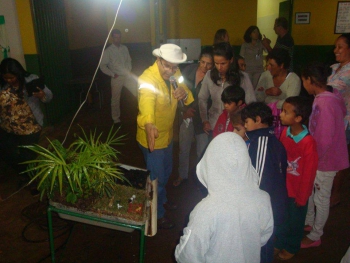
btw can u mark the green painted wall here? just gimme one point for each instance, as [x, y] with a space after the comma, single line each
[304, 54]
[32, 63]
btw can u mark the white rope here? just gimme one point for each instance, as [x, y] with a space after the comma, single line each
[93, 78]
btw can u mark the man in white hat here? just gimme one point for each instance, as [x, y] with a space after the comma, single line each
[158, 101]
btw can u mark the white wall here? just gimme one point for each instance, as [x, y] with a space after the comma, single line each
[8, 10]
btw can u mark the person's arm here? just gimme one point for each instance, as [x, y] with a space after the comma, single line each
[291, 87]
[308, 173]
[194, 243]
[261, 87]
[266, 43]
[152, 135]
[45, 95]
[203, 97]
[248, 88]
[266, 222]
[146, 118]
[273, 91]
[104, 64]
[325, 129]
[183, 92]
[128, 60]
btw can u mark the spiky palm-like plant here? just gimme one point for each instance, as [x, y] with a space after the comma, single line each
[87, 166]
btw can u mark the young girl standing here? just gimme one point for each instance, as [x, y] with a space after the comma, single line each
[326, 125]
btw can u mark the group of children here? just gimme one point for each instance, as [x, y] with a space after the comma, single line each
[296, 170]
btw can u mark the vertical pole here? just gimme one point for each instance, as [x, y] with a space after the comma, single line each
[52, 245]
[142, 244]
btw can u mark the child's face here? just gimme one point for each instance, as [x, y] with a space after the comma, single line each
[287, 115]
[241, 64]
[251, 125]
[232, 107]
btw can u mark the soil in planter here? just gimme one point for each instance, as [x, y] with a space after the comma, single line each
[127, 202]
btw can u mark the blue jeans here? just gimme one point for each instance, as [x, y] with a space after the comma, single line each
[160, 164]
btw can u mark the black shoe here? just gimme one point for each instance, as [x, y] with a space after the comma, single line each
[170, 206]
[165, 223]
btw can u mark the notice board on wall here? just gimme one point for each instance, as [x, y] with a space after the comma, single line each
[342, 22]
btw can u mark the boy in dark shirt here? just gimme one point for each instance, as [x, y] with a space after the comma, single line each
[269, 159]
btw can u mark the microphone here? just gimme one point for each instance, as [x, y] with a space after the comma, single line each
[173, 82]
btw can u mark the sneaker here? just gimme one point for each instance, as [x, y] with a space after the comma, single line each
[285, 255]
[165, 223]
[313, 244]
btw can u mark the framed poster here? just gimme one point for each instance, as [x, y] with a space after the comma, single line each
[302, 18]
[342, 21]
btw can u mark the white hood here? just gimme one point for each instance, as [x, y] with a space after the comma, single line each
[231, 168]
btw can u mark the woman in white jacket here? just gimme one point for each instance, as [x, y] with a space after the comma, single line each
[235, 219]
[225, 73]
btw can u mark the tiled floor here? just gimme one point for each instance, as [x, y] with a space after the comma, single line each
[24, 235]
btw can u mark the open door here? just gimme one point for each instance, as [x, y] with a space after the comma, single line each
[286, 10]
[268, 11]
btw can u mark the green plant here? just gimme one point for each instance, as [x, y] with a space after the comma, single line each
[86, 167]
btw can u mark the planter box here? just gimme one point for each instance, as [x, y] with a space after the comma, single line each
[147, 218]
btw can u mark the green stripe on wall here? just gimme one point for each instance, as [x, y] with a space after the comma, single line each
[306, 54]
[32, 63]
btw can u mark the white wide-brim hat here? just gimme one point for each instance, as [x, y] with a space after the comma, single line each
[171, 53]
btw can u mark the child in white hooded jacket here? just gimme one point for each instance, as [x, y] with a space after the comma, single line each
[235, 219]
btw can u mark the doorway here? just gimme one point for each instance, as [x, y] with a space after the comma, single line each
[268, 11]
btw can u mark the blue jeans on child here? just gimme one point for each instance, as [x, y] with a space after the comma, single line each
[160, 164]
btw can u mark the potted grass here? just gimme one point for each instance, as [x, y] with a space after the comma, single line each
[85, 177]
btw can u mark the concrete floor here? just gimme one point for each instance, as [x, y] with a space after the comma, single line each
[23, 228]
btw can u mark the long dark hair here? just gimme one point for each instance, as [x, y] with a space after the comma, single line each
[281, 56]
[206, 52]
[248, 32]
[220, 35]
[318, 73]
[12, 66]
[233, 76]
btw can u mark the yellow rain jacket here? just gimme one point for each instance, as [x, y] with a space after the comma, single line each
[157, 106]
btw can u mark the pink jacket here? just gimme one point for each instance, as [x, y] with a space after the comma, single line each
[327, 127]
